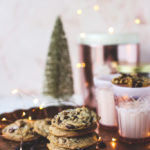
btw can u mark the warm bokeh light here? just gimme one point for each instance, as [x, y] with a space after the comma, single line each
[41, 107]
[78, 65]
[29, 118]
[113, 144]
[99, 139]
[33, 110]
[96, 7]
[114, 64]
[148, 146]
[14, 91]
[83, 65]
[82, 35]
[86, 84]
[114, 139]
[35, 101]
[111, 30]
[79, 11]
[137, 21]
[4, 119]
[23, 114]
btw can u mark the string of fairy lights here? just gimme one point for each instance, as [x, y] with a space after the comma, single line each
[35, 101]
[112, 140]
[110, 29]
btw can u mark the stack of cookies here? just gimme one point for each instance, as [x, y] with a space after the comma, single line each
[69, 130]
[73, 129]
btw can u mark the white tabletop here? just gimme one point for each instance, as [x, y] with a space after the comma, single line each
[12, 103]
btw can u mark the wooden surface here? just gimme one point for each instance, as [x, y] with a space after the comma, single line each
[41, 143]
[119, 145]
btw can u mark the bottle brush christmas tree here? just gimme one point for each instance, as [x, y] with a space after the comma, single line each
[58, 81]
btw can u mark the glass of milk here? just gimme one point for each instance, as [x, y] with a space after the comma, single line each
[105, 101]
[133, 113]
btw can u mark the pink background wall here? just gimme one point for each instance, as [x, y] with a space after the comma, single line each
[26, 25]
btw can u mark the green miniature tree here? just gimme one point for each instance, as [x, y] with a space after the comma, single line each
[58, 81]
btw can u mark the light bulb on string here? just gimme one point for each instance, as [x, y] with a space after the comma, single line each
[81, 65]
[14, 91]
[4, 119]
[137, 21]
[96, 7]
[23, 114]
[36, 101]
[41, 106]
[79, 11]
[114, 139]
[78, 65]
[82, 35]
[110, 30]
[113, 145]
[29, 118]
[99, 138]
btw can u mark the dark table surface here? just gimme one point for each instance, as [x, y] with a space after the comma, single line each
[40, 144]
[107, 136]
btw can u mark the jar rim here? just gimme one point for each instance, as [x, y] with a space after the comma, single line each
[94, 39]
[145, 68]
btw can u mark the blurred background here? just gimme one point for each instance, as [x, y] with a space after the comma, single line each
[26, 27]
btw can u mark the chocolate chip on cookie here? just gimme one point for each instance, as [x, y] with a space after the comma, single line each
[42, 126]
[11, 130]
[70, 126]
[70, 133]
[75, 119]
[19, 130]
[49, 122]
[74, 142]
[22, 124]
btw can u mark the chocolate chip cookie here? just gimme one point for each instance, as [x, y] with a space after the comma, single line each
[75, 119]
[74, 142]
[64, 133]
[42, 126]
[20, 130]
[52, 146]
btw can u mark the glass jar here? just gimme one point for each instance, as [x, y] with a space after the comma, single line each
[140, 70]
[99, 54]
[132, 100]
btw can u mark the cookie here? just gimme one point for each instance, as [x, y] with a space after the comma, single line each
[75, 119]
[42, 126]
[74, 142]
[20, 130]
[52, 146]
[64, 133]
